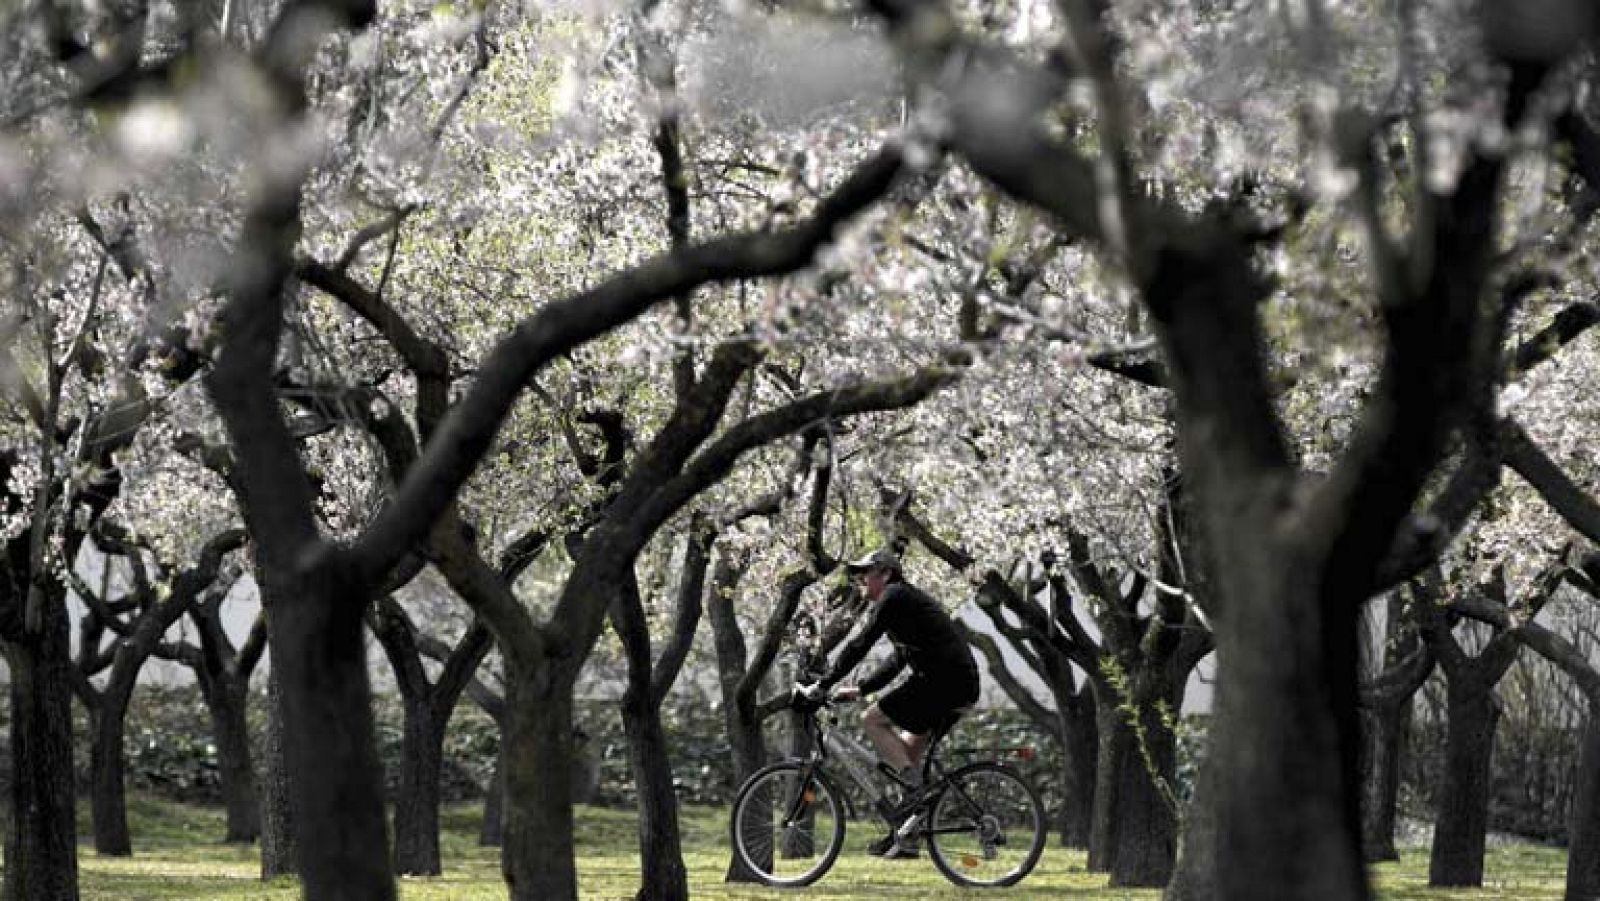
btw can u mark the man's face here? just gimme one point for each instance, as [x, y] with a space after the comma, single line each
[872, 582]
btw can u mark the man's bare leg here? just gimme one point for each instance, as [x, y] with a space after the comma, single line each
[916, 746]
[886, 738]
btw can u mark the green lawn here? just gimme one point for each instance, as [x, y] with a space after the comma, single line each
[177, 857]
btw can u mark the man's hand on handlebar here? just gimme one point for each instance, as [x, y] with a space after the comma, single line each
[812, 693]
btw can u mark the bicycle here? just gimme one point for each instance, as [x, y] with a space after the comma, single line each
[983, 822]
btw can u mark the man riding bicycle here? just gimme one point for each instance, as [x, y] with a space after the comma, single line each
[943, 680]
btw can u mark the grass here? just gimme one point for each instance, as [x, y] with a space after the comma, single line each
[177, 857]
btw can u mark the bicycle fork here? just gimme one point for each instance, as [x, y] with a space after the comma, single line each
[803, 796]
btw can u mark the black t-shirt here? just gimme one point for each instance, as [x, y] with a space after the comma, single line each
[925, 639]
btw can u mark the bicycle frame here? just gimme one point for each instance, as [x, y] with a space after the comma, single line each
[820, 729]
[813, 765]
[951, 809]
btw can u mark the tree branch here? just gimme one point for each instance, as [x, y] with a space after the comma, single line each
[1399, 682]
[397, 634]
[789, 594]
[1571, 502]
[1568, 325]
[717, 460]
[464, 436]
[108, 614]
[254, 645]
[1007, 680]
[1540, 640]
[917, 530]
[491, 701]
[460, 666]
[691, 590]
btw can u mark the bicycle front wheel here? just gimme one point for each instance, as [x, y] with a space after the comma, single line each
[987, 827]
[788, 825]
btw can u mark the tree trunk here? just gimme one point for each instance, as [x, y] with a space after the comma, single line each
[1079, 740]
[1145, 830]
[316, 637]
[537, 856]
[800, 843]
[1463, 821]
[41, 862]
[1111, 758]
[748, 743]
[1194, 876]
[1383, 739]
[745, 740]
[662, 874]
[416, 808]
[278, 844]
[1583, 851]
[235, 770]
[492, 832]
[108, 801]
[1284, 737]
[749, 754]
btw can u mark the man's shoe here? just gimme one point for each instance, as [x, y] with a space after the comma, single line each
[887, 848]
[902, 852]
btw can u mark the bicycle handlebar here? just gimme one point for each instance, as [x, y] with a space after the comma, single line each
[797, 701]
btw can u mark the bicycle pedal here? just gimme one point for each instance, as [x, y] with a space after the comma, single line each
[908, 828]
[902, 852]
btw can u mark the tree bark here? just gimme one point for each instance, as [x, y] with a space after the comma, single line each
[1583, 850]
[1462, 826]
[416, 806]
[745, 741]
[227, 707]
[1145, 830]
[278, 844]
[427, 708]
[537, 858]
[1079, 739]
[1111, 758]
[1472, 714]
[1284, 752]
[337, 784]
[1383, 734]
[1583, 858]
[492, 832]
[662, 874]
[41, 854]
[108, 802]
[1194, 876]
[224, 672]
[136, 641]
[1134, 833]
[1385, 713]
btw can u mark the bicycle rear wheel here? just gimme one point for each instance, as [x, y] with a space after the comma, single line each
[987, 827]
[788, 824]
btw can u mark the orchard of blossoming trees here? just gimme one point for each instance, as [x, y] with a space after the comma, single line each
[1157, 328]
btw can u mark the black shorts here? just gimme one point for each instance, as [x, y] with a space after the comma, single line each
[920, 704]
